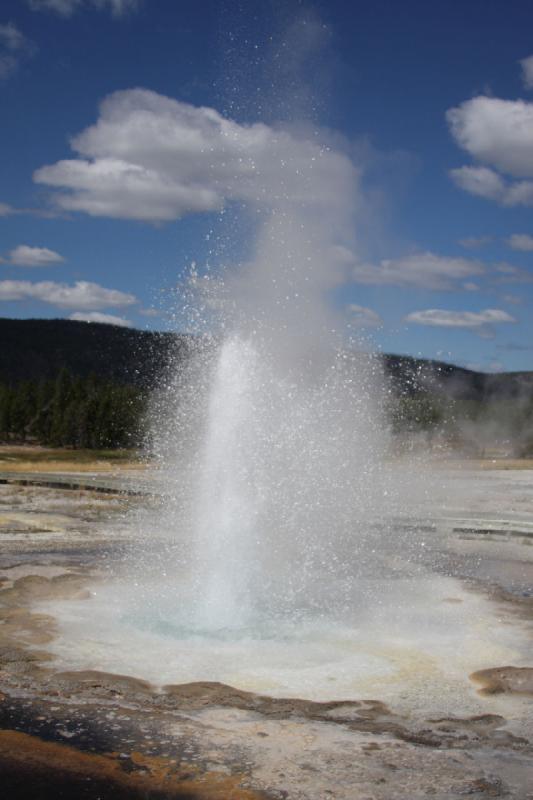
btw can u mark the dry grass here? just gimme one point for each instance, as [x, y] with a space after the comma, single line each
[491, 463]
[32, 458]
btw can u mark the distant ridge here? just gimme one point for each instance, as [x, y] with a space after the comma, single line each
[410, 375]
[37, 349]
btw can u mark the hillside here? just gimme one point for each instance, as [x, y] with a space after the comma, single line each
[37, 349]
[68, 383]
[411, 375]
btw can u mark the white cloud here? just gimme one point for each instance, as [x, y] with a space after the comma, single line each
[152, 158]
[519, 193]
[527, 71]
[14, 47]
[485, 182]
[520, 241]
[496, 366]
[82, 295]
[63, 7]
[474, 242]
[25, 256]
[421, 270]
[508, 273]
[496, 132]
[481, 181]
[499, 134]
[97, 316]
[150, 312]
[512, 299]
[515, 346]
[66, 8]
[7, 210]
[363, 317]
[10, 36]
[480, 322]
[118, 7]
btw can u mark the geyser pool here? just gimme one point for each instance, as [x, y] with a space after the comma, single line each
[413, 645]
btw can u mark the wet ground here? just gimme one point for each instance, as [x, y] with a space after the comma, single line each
[86, 733]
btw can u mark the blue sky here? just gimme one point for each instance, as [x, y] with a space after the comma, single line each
[426, 111]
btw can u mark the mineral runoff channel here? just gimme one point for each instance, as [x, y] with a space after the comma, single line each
[431, 696]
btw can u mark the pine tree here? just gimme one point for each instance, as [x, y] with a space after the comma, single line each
[5, 412]
[62, 391]
[73, 412]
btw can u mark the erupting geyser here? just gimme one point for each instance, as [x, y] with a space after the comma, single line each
[275, 560]
[270, 437]
[284, 555]
[272, 492]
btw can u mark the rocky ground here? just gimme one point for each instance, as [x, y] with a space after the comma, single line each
[89, 734]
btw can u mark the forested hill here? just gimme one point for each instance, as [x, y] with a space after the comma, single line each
[87, 385]
[74, 384]
[412, 375]
[37, 349]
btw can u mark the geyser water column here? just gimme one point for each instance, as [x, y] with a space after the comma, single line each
[271, 438]
[227, 500]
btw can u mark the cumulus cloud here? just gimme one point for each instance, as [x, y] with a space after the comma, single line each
[508, 273]
[7, 210]
[152, 158]
[485, 182]
[66, 8]
[527, 71]
[421, 270]
[480, 322]
[496, 132]
[512, 299]
[499, 134]
[14, 47]
[481, 181]
[520, 241]
[519, 193]
[429, 271]
[26, 256]
[97, 316]
[82, 295]
[363, 317]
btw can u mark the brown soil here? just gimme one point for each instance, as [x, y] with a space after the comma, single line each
[508, 680]
[31, 767]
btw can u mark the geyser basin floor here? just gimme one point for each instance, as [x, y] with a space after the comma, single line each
[209, 741]
[413, 644]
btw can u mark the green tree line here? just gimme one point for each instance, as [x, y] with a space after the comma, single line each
[72, 412]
